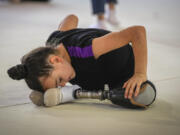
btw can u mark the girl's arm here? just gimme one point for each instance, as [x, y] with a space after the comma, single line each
[137, 36]
[69, 22]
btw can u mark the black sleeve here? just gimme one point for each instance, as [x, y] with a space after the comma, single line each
[75, 37]
[66, 37]
[53, 40]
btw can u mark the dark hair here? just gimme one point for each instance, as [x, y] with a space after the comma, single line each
[33, 65]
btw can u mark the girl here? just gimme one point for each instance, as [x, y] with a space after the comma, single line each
[87, 57]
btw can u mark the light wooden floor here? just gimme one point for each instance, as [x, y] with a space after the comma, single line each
[26, 26]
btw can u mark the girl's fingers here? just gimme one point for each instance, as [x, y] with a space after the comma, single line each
[124, 86]
[127, 90]
[131, 91]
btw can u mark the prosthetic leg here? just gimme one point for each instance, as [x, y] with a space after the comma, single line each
[146, 97]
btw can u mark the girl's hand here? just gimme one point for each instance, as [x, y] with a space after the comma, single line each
[134, 82]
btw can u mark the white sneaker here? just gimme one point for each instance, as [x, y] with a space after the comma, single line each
[111, 18]
[100, 25]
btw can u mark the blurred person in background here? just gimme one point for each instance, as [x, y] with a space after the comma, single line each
[104, 15]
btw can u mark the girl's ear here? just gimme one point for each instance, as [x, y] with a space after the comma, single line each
[55, 59]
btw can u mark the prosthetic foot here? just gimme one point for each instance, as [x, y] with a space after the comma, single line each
[37, 98]
[56, 96]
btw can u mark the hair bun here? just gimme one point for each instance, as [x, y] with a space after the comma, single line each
[18, 72]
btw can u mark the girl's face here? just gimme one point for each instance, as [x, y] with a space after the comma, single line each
[61, 73]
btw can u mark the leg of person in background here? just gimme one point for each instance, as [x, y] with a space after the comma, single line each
[98, 7]
[111, 13]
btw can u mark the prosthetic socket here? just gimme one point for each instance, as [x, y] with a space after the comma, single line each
[65, 94]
